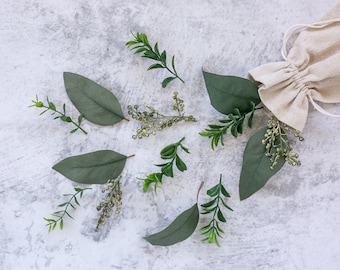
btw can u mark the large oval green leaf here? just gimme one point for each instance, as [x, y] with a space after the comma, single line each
[256, 166]
[94, 102]
[92, 168]
[229, 92]
[180, 229]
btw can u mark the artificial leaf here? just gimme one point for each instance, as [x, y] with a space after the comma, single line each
[168, 170]
[256, 165]
[167, 80]
[229, 92]
[93, 101]
[180, 164]
[92, 168]
[180, 229]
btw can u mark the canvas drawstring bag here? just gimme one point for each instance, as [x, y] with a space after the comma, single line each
[310, 72]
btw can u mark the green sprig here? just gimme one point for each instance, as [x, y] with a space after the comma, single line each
[213, 230]
[141, 45]
[154, 121]
[62, 115]
[52, 223]
[277, 143]
[167, 153]
[235, 122]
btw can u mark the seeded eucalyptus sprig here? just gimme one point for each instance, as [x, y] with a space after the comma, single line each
[167, 153]
[277, 143]
[62, 115]
[154, 121]
[113, 199]
[141, 45]
[213, 230]
[52, 223]
[234, 121]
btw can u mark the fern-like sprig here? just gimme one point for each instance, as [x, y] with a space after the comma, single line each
[213, 229]
[59, 215]
[167, 153]
[235, 122]
[141, 45]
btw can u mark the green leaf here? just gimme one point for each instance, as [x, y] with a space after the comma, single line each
[169, 151]
[155, 66]
[61, 224]
[220, 216]
[224, 191]
[256, 166]
[208, 204]
[168, 170]
[180, 229]
[180, 164]
[167, 80]
[92, 168]
[214, 190]
[229, 92]
[93, 101]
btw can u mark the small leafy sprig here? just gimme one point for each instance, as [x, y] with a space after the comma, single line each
[113, 199]
[235, 122]
[213, 230]
[52, 223]
[141, 45]
[277, 143]
[167, 153]
[62, 115]
[154, 121]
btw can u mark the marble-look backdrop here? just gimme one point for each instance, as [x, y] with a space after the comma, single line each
[293, 223]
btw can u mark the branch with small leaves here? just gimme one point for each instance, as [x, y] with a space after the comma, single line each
[113, 199]
[213, 230]
[51, 222]
[235, 122]
[277, 143]
[141, 45]
[167, 153]
[154, 121]
[62, 115]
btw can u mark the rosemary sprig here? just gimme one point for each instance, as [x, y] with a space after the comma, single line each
[235, 122]
[213, 230]
[141, 45]
[167, 153]
[277, 143]
[62, 115]
[52, 223]
[154, 121]
[113, 199]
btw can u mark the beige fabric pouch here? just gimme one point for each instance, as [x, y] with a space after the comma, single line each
[310, 72]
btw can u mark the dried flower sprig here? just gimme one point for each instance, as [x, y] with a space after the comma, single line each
[52, 223]
[62, 115]
[235, 122]
[113, 199]
[154, 121]
[213, 230]
[167, 153]
[141, 45]
[277, 143]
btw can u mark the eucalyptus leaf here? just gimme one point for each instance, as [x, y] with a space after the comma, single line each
[180, 229]
[94, 102]
[92, 168]
[256, 165]
[229, 92]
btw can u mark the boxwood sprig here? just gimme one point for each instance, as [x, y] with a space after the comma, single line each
[167, 153]
[141, 45]
[213, 229]
[235, 122]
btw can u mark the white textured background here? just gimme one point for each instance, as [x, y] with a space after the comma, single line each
[293, 223]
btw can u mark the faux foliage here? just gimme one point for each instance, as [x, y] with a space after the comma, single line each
[140, 44]
[60, 114]
[218, 193]
[58, 216]
[170, 153]
[153, 121]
